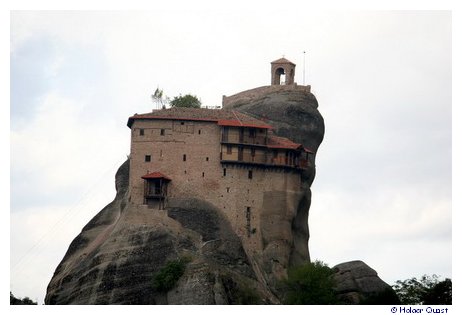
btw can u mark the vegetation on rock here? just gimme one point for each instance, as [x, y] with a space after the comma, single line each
[168, 276]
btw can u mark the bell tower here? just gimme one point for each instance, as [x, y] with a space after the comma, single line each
[282, 69]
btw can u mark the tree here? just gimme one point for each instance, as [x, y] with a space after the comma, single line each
[187, 100]
[311, 283]
[25, 301]
[439, 294]
[159, 99]
[427, 290]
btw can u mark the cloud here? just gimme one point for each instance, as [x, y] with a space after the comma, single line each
[29, 77]
[56, 155]
[401, 223]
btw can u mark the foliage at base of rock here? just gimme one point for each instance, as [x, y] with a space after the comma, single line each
[311, 283]
[239, 293]
[386, 297]
[24, 301]
[427, 290]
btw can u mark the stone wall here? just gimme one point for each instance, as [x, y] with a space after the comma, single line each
[260, 209]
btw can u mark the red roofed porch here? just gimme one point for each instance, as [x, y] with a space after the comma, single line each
[156, 175]
[155, 189]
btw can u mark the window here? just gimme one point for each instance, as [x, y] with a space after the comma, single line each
[224, 172]
[250, 174]
[141, 132]
[252, 152]
[162, 132]
[155, 188]
[275, 154]
[203, 174]
[240, 153]
[182, 123]
[199, 132]
[207, 159]
[184, 157]
[247, 216]
[225, 134]
[252, 133]
[147, 158]
[227, 189]
[229, 149]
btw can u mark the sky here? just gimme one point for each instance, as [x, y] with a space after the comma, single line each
[383, 79]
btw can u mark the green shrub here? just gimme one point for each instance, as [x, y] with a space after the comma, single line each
[187, 100]
[168, 276]
[311, 283]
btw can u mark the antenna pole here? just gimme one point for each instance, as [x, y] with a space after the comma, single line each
[304, 67]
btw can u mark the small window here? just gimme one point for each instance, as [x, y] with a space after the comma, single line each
[227, 189]
[247, 216]
[252, 133]
[184, 157]
[203, 174]
[252, 152]
[250, 174]
[224, 172]
[207, 159]
[162, 132]
[229, 149]
[147, 158]
[141, 132]
[199, 132]
[182, 123]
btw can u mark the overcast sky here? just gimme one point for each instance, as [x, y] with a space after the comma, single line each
[382, 192]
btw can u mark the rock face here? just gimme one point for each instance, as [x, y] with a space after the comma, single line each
[358, 283]
[115, 257]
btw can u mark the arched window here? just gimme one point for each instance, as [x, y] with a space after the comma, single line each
[280, 76]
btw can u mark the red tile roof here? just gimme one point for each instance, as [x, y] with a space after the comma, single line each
[201, 114]
[238, 123]
[155, 175]
[275, 142]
